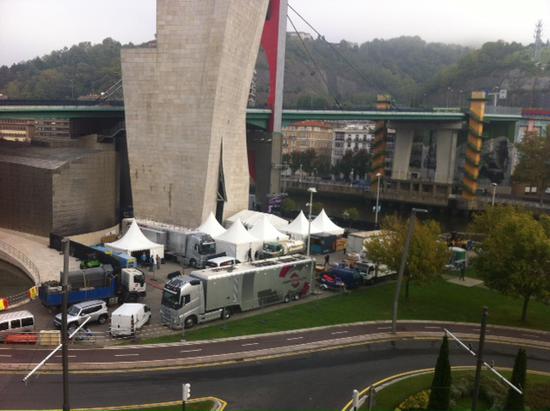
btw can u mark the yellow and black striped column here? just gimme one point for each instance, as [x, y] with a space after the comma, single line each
[474, 145]
[383, 102]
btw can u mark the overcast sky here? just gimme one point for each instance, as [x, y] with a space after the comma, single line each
[30, 28]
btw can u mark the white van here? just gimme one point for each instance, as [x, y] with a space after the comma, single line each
[16, 322]
[129, 318]
[221, 262]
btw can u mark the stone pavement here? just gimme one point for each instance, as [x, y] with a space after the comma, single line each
[32, 254]
[466, 282]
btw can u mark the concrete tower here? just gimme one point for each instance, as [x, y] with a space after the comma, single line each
[185, 101]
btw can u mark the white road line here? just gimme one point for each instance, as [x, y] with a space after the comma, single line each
[294, 338]
[383, 328]
[126, 355]
[248, 344]
[197, 350]
[339, 332]
[70, 356]
[530, 335]
[5, 355]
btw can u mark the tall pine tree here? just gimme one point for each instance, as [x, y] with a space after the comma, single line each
[514, 400]
[441, 385]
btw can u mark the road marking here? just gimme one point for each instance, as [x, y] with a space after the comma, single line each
[69, 356]
[197, 350]
[248, 344]
[530, 335]
[126, 355]
[294, 338]
[339, 332]
[5, 355]
[383, 328]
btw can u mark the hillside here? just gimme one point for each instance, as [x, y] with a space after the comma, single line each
[414, 72]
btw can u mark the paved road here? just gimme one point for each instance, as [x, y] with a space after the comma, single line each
[217, 350]
[321, 380]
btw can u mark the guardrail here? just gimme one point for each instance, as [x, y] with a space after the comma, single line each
[20, 257]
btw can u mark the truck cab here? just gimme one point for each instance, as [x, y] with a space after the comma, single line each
[199, 248]
[182, 302]
[133, 284]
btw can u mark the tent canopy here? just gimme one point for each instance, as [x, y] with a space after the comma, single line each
[298, 228]
[237, 242]
[249, 218]
[134, 240]
[211, 227]
[323, 224]
[264, 230]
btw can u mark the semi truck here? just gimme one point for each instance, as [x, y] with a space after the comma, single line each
[190, 247]
[100, 283]
[210, 294]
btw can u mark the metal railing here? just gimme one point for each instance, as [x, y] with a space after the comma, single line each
[20, 257]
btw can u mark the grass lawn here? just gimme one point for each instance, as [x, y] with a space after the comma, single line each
[438, 300]
[191, 406]
[389, 398]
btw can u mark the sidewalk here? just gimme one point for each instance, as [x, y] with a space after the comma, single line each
[32, 252]
[466, 282]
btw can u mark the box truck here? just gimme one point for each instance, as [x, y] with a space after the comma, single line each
[100, 283]
[214, 293]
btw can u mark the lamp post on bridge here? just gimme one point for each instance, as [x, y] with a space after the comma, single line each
[378, 175]
[310, 190]
[494, 194]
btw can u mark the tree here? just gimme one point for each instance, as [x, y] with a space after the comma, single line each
[288, 205]
[514, 400]
[534, 165]
[427, 255]
[351, 214]
[515, 254]
[440, 394]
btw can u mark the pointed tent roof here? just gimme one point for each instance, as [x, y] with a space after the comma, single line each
[237, 234]
[211, 226]
[298, 226]
[264, 230]
[323, 224]
[251, 217]
[133, 240]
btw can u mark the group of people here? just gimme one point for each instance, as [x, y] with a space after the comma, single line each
[151, 261]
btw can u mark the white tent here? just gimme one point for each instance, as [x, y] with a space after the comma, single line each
[237, 242]
[298, 228]
[323, 224]
[211, 227]
[134, 240]
[249, 218]
[264, 230]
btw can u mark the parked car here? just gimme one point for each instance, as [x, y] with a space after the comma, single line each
[15, 322]
[221, 262]
[76, 314]
[330, 282]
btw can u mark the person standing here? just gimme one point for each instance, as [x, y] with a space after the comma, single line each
[249, 255]
[158, 262]
[463, 271]
[327, 260]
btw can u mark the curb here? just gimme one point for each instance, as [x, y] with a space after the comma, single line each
[386, 382]
[219, 405]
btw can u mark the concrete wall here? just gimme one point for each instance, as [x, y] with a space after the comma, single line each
[185, 104]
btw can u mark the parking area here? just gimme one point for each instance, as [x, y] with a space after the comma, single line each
[155, 282]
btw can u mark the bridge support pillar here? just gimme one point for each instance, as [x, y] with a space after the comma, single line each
[383, 102]
[402, 153]
[475, 145]
[445, 155]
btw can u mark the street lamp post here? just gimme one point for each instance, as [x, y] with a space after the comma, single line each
[351, 178]
[310, 190]
[378, 175]
[494, 194]
[404, 257]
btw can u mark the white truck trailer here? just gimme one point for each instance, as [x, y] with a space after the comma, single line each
[356, 240]
[215, 293]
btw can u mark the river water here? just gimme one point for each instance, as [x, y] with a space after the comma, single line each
[12, 280]
[449, 219]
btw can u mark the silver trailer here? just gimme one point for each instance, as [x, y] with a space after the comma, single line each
[214, 293]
